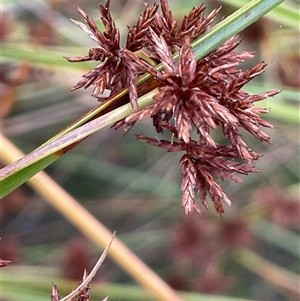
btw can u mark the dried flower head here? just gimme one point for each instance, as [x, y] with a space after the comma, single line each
[107, 52]
[200, 165]
[192, 25]
[115, 72]
[193, 97]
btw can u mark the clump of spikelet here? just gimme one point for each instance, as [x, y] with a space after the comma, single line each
[193, 96]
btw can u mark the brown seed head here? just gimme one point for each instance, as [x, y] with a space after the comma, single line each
[193, 97]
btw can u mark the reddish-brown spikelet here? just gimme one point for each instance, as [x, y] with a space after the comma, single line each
[137, 34]
[110, 73]
[199, 165]
[193, 25]
[107, 53]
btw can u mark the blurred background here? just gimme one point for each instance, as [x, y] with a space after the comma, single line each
[134, 188]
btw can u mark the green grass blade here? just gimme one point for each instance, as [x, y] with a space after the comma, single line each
[282, 238]
[24, 174]
[20, 171]
[283, 112]
[51, 57]
[280, 109]
[285, 14]
[30, 284]
[232, 25]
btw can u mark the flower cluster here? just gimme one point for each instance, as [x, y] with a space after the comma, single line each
[115, 71]
[193, 97]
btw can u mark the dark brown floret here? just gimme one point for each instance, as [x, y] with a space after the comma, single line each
[137, 34]
[193, 25]
[200, 165]
[107, 74]
[115, 72]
